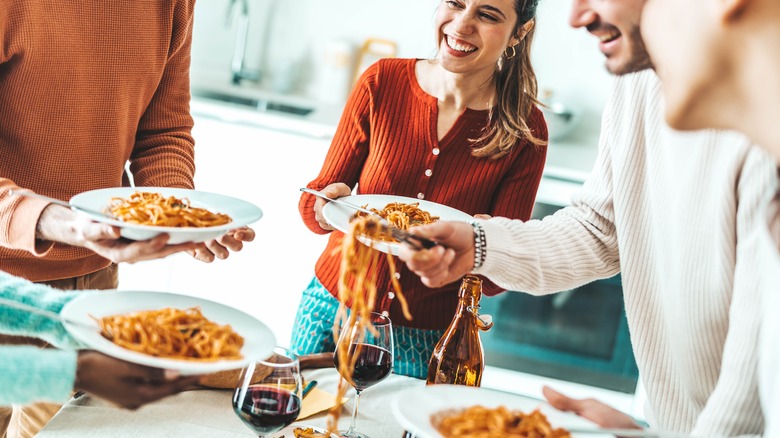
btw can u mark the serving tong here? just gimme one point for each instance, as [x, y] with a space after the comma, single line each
[416, 242]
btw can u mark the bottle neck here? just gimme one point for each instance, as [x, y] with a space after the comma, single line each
[468, 304]
[469, 294]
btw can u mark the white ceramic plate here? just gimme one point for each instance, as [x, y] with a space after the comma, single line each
[259, 341]
[413, 407]
[242, 212]
[338, 216]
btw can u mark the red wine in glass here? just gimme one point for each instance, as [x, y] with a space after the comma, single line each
[372, 365]
[370, 345]
[267, 397]
[267, 410]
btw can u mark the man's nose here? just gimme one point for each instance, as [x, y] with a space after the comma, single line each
[581, 14]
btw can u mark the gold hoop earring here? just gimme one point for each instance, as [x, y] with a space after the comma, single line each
[506, 52]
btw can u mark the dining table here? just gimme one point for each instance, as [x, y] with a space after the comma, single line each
[209, 413]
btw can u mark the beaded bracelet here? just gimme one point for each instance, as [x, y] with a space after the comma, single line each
[480, 244]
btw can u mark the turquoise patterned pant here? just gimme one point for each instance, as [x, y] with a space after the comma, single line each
[313, 333]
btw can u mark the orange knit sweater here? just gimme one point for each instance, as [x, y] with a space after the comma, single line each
[387, 143]
[85, 87]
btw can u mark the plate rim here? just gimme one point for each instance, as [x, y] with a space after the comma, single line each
[185, 367]
[406, 423]
[235, 223]
[386, 247]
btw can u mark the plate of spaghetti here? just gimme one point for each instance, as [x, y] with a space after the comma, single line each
[169, 331]
[186, 215]
[401, 211]
[456, 411]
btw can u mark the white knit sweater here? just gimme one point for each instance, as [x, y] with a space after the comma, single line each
[769, 356]
[669, 211]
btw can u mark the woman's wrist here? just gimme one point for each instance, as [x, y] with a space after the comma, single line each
[480, 244]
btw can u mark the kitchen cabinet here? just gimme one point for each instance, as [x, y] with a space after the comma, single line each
[265, 279]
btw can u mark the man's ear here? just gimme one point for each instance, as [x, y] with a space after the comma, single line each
[731, 10]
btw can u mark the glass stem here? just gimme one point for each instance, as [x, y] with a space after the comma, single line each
[352, 430]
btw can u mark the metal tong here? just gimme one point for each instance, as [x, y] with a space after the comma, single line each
[416, 242]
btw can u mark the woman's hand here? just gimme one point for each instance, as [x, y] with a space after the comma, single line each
[126, 384]
[333, 191]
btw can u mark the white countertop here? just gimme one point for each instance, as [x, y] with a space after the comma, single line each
[209, 413]
[320, 123]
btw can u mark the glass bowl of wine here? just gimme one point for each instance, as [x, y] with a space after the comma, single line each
[267, 397]
[364, 357]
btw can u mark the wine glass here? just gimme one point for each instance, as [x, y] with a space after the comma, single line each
[371, 345]
[267, 397]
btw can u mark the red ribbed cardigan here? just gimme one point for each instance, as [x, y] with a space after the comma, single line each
[84, 87]
[386, 143]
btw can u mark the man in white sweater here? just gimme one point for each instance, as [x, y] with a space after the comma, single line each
[670, 211]
[742, 35]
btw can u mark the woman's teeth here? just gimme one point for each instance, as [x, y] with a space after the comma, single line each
[453, 44]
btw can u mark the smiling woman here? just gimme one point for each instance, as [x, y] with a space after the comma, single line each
[461, 130]
[491, 42]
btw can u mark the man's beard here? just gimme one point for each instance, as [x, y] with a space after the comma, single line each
[640, 59]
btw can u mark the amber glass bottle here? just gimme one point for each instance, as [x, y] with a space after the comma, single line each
[458, 357]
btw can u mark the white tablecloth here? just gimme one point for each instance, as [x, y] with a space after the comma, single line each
[209, 413]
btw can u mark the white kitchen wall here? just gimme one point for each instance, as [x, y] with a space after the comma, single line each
[300, 29]
[292, 38]
[568, 61]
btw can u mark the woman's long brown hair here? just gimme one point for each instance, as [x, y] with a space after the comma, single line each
[516, 93]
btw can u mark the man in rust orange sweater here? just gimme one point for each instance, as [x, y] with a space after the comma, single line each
[85, 89]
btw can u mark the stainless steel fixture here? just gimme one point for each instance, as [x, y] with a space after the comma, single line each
[255, 103]
[561, 118]
[237, 67]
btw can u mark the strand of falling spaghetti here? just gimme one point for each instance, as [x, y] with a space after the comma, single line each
[358, 290]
